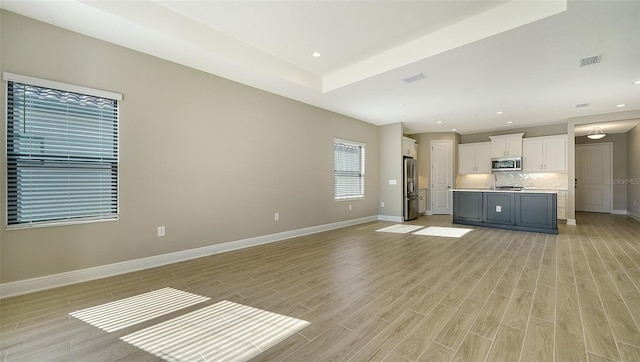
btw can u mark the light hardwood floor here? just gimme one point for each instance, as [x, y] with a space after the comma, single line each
[492, 295]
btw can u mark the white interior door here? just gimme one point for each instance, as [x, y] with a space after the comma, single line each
[441, 176]
[593, 177]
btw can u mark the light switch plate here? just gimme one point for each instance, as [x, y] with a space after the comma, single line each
[393, 182]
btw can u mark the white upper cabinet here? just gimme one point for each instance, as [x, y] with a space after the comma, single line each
[483, 157]
[545, 154]
[474, 158]
[509, 145]
[555, 153]
[467, 158]
[409, 147]
[532, 159]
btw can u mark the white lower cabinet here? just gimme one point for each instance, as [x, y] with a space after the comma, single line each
[562, 205]
[422, 201]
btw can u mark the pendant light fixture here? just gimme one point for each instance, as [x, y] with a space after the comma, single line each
[596, 133]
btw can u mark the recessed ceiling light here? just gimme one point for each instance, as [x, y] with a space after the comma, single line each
[582, 105]
[621, 105]
[499, 112]
[439, 122]
[316, 54]
[509, 122]
[474, 115]
[636, 82]
[524, 107]
[454, 129]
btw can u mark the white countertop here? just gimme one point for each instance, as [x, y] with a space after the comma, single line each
[537, 191]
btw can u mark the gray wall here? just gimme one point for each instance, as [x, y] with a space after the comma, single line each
[538, 131]
[633, 171]
[619, 142]
[390, 141]
[209, 158]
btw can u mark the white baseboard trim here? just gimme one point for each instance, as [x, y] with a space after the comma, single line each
[20, 287]
[428, 212]
[390, 218]
[633, 216]
[619, 212]
[571, 221]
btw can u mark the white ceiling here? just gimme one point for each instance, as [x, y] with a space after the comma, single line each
[479, 57]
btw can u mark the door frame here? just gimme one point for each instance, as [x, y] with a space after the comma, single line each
[452, 174]
[610, 188]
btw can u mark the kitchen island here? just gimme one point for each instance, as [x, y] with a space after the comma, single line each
[526, 210]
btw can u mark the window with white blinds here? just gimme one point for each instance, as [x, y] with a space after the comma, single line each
[348, 176]
[62, 155]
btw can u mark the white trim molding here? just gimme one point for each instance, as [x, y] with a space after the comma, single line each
[571, 221]
[633, 216]
[20, 287]
[390, 218]
[619, 212]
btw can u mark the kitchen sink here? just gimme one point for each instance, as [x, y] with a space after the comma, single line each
[510, 188]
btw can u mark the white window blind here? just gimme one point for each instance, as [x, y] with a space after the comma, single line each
[348, 176]
[62, 156]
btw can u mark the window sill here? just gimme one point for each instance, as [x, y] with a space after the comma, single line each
[58, 223]
[349, 199]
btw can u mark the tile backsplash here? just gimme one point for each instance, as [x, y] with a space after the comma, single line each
[551, 181]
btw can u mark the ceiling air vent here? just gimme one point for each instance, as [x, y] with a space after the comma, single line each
[590, 60]
[582, 105]
[414, 78]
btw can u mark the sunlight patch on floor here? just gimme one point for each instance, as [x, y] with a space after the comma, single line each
[224, 331]
[400, 229]
[443, 231]
[126, 312]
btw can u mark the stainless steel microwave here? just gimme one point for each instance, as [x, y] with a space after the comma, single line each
[506, 164]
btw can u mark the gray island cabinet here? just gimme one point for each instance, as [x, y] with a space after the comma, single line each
[517, 210]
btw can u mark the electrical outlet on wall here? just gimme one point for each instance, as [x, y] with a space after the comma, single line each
[161, 231]
[350, 208]
[498, 208]
[382, 204]
[276, 216]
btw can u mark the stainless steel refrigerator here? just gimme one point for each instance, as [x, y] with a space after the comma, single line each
[410, 189]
